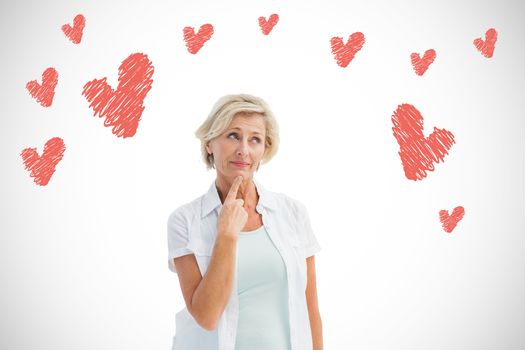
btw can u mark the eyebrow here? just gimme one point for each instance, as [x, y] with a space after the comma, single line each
[253, 132]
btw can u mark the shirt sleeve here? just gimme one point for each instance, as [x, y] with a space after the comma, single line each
[177, 237]
[306, 234]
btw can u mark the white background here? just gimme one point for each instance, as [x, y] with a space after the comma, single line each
[83, 260]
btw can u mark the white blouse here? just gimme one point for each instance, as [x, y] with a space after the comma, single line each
[192, 230]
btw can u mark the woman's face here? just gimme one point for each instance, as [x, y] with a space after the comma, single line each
[240, 148]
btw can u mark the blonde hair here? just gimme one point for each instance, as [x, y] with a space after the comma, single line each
[221, 116]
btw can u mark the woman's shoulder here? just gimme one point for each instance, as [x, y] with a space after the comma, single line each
[187, 209]
[287, 201]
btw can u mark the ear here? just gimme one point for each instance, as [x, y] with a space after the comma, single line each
[208, 147]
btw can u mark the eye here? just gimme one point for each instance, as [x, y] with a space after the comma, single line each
[257, 139]
[232, 133]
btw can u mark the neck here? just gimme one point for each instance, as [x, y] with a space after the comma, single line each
[247, 190]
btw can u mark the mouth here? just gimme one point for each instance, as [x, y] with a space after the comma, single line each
[240, 164]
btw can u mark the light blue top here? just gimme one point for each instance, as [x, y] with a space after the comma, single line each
[262, 288]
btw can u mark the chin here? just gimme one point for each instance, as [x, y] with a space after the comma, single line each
[245, 173]
[242, 172]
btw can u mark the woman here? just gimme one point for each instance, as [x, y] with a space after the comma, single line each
[244, 255]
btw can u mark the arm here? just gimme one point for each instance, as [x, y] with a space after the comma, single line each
[313, 307]
[206, 296]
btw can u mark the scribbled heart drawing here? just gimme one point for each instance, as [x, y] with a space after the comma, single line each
[42, 167]
[487, 47]
[267, 26]
[449, 222]
[44, 93]
[194, 41]
[344, 53]
[75, 33]
[417, 152]
[122, 107]
[421, 64]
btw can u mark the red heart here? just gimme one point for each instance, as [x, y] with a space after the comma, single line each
[122, 107]
[449, 222]
[44, 93]
[75, 33]
[487, 47]
[417, 152]
[344, 54]
[194, 41]
[421, 64]
[267, 26]
[42, 167]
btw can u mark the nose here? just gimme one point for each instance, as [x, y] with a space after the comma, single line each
[242, 149]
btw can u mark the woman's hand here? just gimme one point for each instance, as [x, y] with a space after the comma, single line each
[233, 216]
[206, 296]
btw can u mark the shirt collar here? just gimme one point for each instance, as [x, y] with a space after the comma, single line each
[212, 200]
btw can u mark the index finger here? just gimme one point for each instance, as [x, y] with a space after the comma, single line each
[232, 193]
